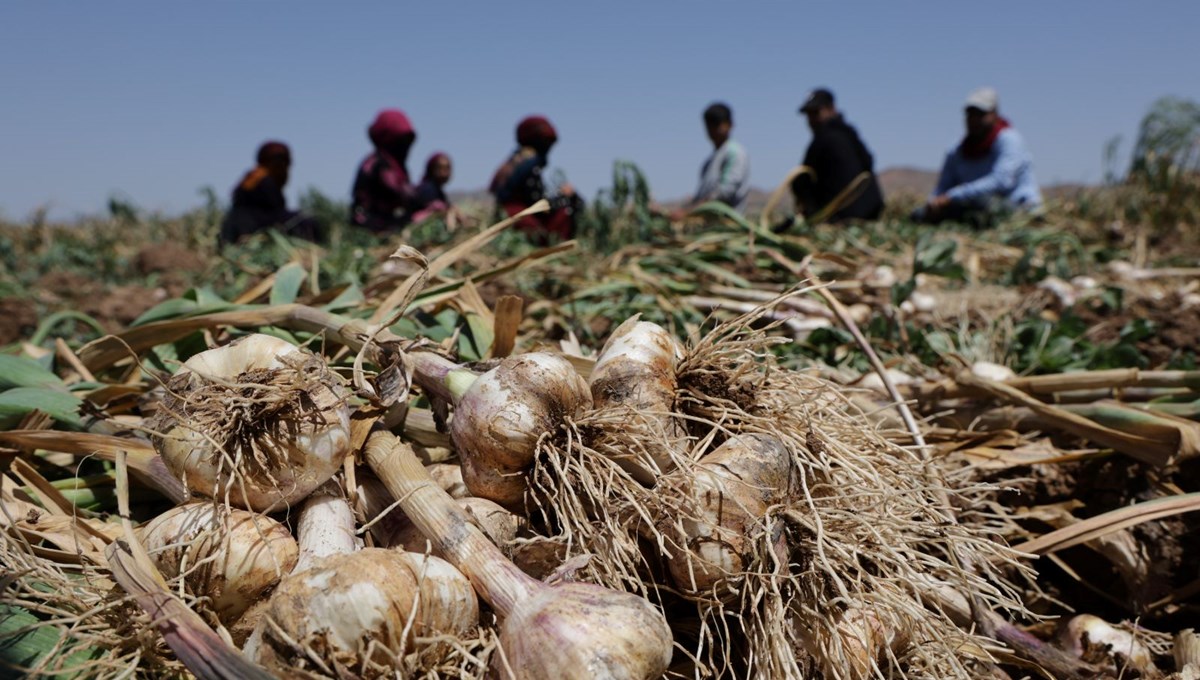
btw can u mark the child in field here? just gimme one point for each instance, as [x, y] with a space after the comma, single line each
[518, 184]
[431, 194]
[383, 195]
[258, 202]
[725, 174]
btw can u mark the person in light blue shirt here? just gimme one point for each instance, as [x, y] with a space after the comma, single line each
[989, 173]
[725, 175]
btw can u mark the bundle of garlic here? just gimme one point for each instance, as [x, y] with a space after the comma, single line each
[568, 630]
[350, 612]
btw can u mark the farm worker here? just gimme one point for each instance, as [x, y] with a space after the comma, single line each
[518, 184]
[989, 173]
[258, 202]
[431, 196]
[725, 174]
[842, 167]
[383, 195]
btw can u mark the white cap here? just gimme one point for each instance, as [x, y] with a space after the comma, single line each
[984, 99]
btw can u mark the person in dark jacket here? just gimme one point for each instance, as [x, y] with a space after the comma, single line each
[383, 194]
[837, 156]
[518, 184]
[258, 202]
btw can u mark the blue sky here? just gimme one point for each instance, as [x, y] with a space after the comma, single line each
[153, 100]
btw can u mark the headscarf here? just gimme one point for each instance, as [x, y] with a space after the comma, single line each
[392, 133]
[433, 159]
[536, 132]
[273, 150]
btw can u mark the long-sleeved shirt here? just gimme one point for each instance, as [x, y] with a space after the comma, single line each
[725, 176]
[1006, 172]
[838, 156]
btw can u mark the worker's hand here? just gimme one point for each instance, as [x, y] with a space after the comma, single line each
[937, 204]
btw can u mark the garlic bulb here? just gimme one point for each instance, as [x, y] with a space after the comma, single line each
[731, 490]
[635, 373]
[259, 421]
[231, 556]
[498, 420]
[358, 613]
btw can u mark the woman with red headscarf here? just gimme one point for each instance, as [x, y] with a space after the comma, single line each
[518, 184]
[258, 202]
[383, 193]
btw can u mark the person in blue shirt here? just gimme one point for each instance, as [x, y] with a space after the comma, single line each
[989, 173]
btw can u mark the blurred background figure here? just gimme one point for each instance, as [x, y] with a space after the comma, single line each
[842, 167]
[258, 202]
[431, 196]
[518, 184]
[383, 194]
[725, 175]
[988, 174]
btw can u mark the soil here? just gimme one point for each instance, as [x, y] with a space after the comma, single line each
[1175, 332]
[117, 308]
[1102, 485]
[18, 319]
[167, 258]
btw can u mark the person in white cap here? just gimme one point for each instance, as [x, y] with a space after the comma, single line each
[988, 173]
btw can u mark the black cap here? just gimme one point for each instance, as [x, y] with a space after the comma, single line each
[817, 99]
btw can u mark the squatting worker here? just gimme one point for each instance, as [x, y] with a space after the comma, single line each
[518, 184]
[258, 201]
[383, 194]
[431, 199]
[837, 157]
[725, 174]
[988, 174]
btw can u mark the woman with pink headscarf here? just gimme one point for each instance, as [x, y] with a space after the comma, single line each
[518, 184]
[383, 194]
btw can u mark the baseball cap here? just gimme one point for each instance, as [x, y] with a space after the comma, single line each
[816, 99]
[984, 99]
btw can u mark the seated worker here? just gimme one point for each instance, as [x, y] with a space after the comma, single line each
[837, 157]
[430, 193]
[258, 202]
[725, 174]
[989, 173]
[383, 195]
[518, 184]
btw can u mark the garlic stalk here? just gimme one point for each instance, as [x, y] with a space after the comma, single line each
[259, 421]
[230, 556]
[565, 631]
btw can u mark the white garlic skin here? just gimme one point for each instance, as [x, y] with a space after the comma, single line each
[250, 553]
[310, 455]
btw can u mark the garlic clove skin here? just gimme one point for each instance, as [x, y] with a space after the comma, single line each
[450, 478]
[551, 636]
[448, 603]
[283, 451]
[352, 611]
[247, 553]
